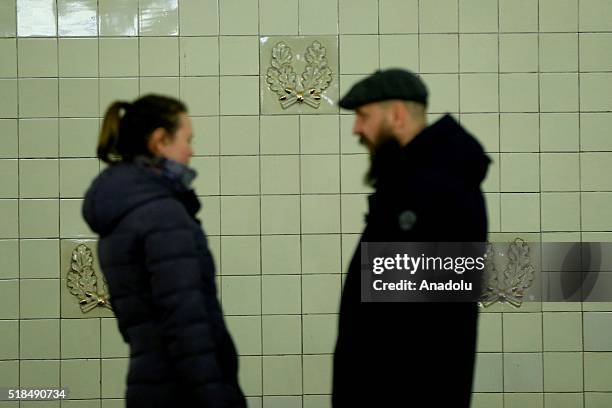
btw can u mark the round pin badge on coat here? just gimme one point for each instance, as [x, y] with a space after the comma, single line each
[406, 220]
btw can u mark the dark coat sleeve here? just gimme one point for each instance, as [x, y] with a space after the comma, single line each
[180, 286]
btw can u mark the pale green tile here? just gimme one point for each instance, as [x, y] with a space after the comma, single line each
[9, 148]
[72, 223]
[82, 386]
[239, 95]
[8, 104]
[518, 52]
[358, 17]
[487, 400]
[354, 207]
[39, 373]
[478, 52]
[520, 212]
[523, 400]
[352, 50]
[9, 341]
[280, 174]
[280, 254]
[317, 374]
[9, 299]
[112, 344]
[206, 135]
[207, 182]
[560, 211]
[239, 17]
[444, 91]
[114, 377]
[597, 399]
[560, 132]
[318, 17]
[280, 214]
[8, 25]
[239, 175]
[489, 332]
[282, 334]
[562, 331]
[519, 92]
[281, 294]
[9, 187]
[439, 53]
[439, 17]
[352, 169]
[594, 15]
[518, 15]
[596, 91]
[278, 17]
[321, 253]
[78, 57]
[78, 97]
[597, 372]
[39, 258]
[560, 171]
[118, 57]
[559, 52]
[523, 372]
[9, 253]
[563, 400]
[399, 51]
[240, 215]
[76, 176]
[282, 375]
[39, 218]
[241, 295]
[319, 134]
[519, 132]
[320, 174]
[39, 339]
[249, 375]
[38, 138]
[193, 88]
[593, 170]
[520, 172]
[37, 57]
[8, 60]
[319, 333]
[39, 178]
[480, 93]
[151, 49]
[246, 333]
[595, 51]
[240, 255]
[158, 17]
[239, 55]
[9, 373]
[477, 16]
[563, 372]
[597, 331]
[320, 213]
[596, 211]
[559, 92]
[199, 55]
[118, 17]
[39, 298]
[38, 98]
[80, 338]
[279, 134]
[558, 15]
[321, 293]
[488, 372]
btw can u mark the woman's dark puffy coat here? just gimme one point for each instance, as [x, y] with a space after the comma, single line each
[161, 279]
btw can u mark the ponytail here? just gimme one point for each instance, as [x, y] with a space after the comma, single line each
[124, 135]
[109, 134]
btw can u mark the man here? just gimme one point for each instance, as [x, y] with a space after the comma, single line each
[427, 189]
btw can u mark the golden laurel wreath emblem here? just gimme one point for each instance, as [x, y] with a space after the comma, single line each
[510, 285]
[83, 282]
[293, 89]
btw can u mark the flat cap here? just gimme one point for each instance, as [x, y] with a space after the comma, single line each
[385, 85]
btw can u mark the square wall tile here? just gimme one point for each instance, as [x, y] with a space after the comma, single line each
[478, 52]
[158, 17]
[9, 374]
[354, 207]
[398, 16]
[9, 148]
[594, 167]
[207, 182]
[317, 372]
[160, 85]
[123, 89]
[38, 138]
[278, 401]
[114, 373]
[320, 333]
[559, 92]
[119, 57]
[33, 344]
[489, 332]
[199, 55]
[78, 137]
[280, 214]
[438, 17]
[280, 134]
[39, 178]
[596, 91]
[9, 180]
[594, 15]
[321, 293]
[112, 344]
[520, 172]
[595, 52]
[320, 174]
[240, 255]
[488, 371]
[559, 132]
[38, 98]
[439, 53]
[192, 89]
[597, 372]
[281, 294]
[239, 55]
[559, 52]
[319, 134]
[282, 375]
[80, 338]
[8, 26]
[564, 400]
[518, 52]
[597, 399]
[597, 336]
[353, 49]
[199, 17]
[444, 92]
[81, 386]
[39, 258]
[559, 16]
[159, 56]
[9, 212]
[278, 17]
[560, 171]
[9, 253]
[240, 215]
[37, 57]
[487, 400]
[560, 211]
[282, 334]
[518, 93]
[280, 174]
[8, 60]
[246, 332]
[239, 17]
[519, 132]
[520, 212]
[39, 298]
[358, 17]
[9, 343]
[118, 17]
[399, 51]
[239, 175]
[249, 375]
[79, 98]
[596, 211]
[523, 372]
[39, 373]
[518, 15]
[8, 104]
[591, 136]
[479, 92]
[525, 400]
[78, 57]
[210, 214]
[522, 332]
[280, 254]
[239, 95]
[484, 127]
[320, 213]
[206, 135]
[477, 16]
[72, 224]
[77, 19]
[239, 135]
[241, 295]
[318, 17]
[321, 254]
[9, 299]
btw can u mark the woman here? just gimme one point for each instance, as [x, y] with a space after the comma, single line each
[156, 261]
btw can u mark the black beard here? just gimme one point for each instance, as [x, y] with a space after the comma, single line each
[382, 158]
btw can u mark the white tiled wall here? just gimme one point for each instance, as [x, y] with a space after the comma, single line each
[283, 199]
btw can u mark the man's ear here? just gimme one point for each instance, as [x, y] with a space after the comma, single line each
[156, 142]
[398, 113]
